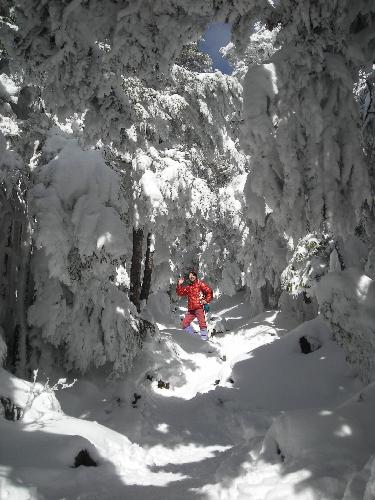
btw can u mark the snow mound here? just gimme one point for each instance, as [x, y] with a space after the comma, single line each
[58, 439]
[362, 484]
[302, 381]
[330, 442]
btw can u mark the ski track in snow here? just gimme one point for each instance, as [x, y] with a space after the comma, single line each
[201, 438]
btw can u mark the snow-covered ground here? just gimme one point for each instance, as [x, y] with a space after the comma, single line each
[246, 415]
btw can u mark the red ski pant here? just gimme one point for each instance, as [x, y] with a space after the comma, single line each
[197, 313]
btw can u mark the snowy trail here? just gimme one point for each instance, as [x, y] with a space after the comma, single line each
[204, 437]
[186, 423]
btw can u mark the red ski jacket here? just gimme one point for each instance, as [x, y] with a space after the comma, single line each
[195, 293]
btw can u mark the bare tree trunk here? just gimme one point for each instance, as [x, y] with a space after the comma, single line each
[135, 269]
[15, 261]
[7, 282]
[22, 303]
[149, 265]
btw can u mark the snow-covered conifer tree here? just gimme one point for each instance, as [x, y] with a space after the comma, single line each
[170, 134]
[168, 149]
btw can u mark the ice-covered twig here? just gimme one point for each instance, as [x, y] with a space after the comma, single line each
[34, 392]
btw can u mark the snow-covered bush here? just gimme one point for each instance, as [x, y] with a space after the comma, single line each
[347, 301]
[29, 400]
[309, 262]
[44, 391]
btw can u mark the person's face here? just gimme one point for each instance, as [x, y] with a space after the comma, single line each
[192, 277]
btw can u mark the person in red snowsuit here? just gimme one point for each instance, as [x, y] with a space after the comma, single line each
[198, 294]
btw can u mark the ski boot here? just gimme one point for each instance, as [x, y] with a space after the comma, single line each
[190, 330]
[204, 334]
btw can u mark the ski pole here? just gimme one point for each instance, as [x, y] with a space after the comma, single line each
[205, 313]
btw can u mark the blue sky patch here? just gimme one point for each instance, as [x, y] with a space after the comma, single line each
[217, 35]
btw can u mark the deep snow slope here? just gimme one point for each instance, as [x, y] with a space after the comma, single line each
[245, 416]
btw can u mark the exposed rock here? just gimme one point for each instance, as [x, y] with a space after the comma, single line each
[309, 344]
[135, 400]
[279, 452]
[163, 385]
[83, 458]
[10, 410]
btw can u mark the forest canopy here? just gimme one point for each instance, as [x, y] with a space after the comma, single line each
[126, 159]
